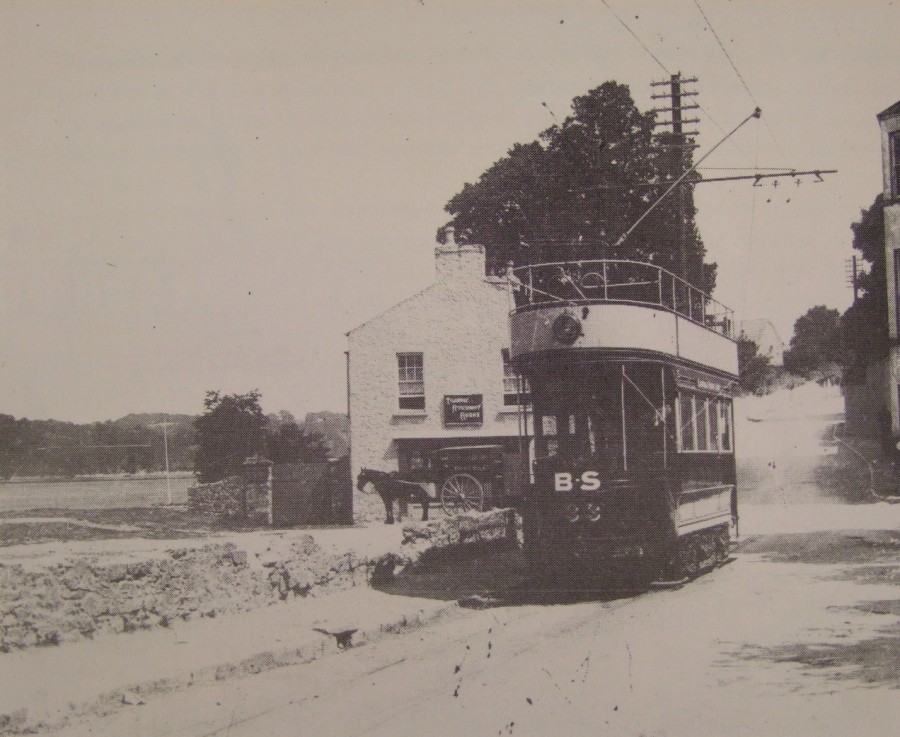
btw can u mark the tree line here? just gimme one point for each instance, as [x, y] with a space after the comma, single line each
[213, 445]
[826, 343]
[127, 445]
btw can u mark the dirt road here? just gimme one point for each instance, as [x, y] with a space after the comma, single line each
[784, 641]
[797, 636]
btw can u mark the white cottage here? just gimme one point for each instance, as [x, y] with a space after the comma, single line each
[432, 372]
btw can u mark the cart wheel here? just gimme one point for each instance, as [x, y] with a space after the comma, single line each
[462, 492]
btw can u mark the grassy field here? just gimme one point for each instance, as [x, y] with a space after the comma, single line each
[99, 508]
[60, 525]
[93, 493]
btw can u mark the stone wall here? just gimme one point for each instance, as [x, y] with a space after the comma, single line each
[231, 500]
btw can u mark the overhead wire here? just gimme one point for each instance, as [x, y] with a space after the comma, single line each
[737, 72]
[666, 70]
[636, 38]
[727, 55]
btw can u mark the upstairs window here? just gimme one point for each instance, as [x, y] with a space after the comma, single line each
[515, 387]
[411, 382]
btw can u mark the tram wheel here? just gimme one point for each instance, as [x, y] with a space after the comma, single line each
[688, 558]
[722, 543]
[462, 492]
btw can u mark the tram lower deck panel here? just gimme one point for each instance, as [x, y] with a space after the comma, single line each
[633, 464]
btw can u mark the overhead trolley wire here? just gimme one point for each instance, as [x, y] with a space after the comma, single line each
[727, 55]
[665, 68]
[737, 72]
[636, 38]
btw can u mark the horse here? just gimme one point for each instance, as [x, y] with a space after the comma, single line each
[390, 488]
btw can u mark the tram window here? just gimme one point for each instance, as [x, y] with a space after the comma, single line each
[686, 422]
[704, 424]
[701, 423]
[712, 412]
[725, 423]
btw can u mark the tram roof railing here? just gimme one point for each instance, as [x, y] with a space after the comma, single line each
[618, 281]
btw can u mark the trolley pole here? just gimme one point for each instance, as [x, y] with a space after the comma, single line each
[165, 427]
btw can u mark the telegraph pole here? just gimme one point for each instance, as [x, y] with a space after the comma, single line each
[852, 274]
[165, 426]
[681, 144]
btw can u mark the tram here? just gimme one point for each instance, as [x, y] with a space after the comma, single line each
[630, 371]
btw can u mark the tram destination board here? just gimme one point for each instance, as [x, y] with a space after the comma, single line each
[463, 409]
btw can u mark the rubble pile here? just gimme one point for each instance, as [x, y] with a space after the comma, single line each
[473, 528]
[231, 499]
[96, 594]
[63, 599]
[88, 596]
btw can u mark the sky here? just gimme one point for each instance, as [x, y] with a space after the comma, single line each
[209, 195]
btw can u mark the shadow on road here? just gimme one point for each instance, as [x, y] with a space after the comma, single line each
[482, 577]
[828, 547]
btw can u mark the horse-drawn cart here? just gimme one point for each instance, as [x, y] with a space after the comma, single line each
[461, 478]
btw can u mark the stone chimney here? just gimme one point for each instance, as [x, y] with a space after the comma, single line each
[455, 261]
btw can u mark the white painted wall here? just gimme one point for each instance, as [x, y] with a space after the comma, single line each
[460, 326]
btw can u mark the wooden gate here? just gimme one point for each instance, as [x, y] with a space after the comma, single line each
[312, 494]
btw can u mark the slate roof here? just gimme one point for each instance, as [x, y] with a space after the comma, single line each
[892, 110]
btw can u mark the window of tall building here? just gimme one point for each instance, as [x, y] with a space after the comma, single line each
[895, 163]
[411, 372]
[897, 289]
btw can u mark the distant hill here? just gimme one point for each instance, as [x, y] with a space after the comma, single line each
[129, 444]
[152, 418]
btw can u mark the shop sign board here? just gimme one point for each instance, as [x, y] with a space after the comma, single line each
[463, 409]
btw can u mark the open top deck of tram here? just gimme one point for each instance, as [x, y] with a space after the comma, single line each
[612, 306]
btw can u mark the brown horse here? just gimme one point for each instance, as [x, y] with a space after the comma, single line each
[390, 488]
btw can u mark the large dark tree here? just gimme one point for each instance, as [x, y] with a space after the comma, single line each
[817, 342]
[576, 190]
[865, 322]
[232, 428]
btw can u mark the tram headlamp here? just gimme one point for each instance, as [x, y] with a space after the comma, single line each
[566, 329]
[571, 512]
[592, 512]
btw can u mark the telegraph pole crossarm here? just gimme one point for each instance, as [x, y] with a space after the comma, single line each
[757, 177]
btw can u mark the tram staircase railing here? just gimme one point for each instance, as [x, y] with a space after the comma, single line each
[883, 473]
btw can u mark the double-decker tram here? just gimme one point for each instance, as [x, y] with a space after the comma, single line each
[630, 371]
